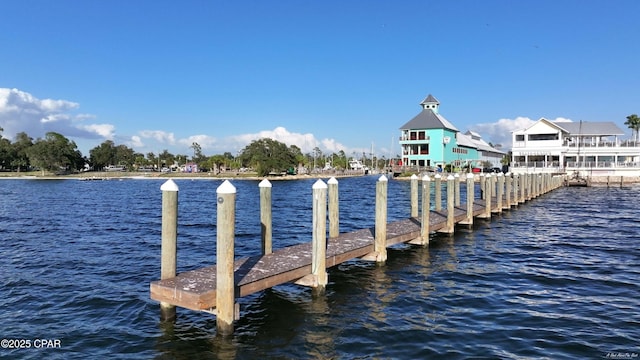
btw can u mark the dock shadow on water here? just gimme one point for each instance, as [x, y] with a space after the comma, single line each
[555, 278]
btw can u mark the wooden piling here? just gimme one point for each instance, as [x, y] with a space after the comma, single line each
[456, 179]
[487, 200]
[438, 189]
[334, 211]
[266, 216]
[168, 248]
[507, 191]
[450, 226]
[522, 186]
[516, 186]
[499, 192]
[470, 200]
[414, 196]
[380, 244]
[319, 237]
[225, 248]
[426, 209]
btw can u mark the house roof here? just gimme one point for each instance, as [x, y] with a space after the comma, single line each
[467, 140]
[597, 128]
[430, 99]
[428, 119]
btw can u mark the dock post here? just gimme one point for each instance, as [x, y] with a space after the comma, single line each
[470, 199]
[507, 191]
[380, 244]
[450, 228]
[500, 192]
[426, 209]
[483, 187]
[225, 248]
[522, 187]
[334, 208]
[456, 179]
[168, 248]
[266, 216]
[319, 238]
[438, 189]
[414, 196]
[516, 182]
[487, 200]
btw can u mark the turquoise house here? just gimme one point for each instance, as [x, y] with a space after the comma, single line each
[430, 140]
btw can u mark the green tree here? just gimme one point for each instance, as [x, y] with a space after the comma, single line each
[124, 156]
[633, 122]
[55, 152]
[5, 152]
[103, 155]
[268, 155]
[166, 158]
[21, 146]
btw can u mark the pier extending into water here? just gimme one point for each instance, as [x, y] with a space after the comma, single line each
[214, 288]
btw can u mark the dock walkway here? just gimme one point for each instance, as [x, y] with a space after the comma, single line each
[196, 289]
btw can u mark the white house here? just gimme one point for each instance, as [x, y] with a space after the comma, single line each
[593, 147]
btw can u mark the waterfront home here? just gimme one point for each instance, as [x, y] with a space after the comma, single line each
[430, 140]
[588, 148]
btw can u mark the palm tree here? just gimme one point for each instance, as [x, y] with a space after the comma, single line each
[633, 122]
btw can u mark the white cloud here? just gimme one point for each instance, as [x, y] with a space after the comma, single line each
[104, 130]
[136, 142]
[22, 112]
[159, 136]
[306, 142]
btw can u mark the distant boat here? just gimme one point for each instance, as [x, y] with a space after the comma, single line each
[355, 164]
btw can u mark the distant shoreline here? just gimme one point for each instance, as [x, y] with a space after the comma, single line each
[106, 175]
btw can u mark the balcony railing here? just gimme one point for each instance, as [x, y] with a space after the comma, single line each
[576, 164]
[413, 138]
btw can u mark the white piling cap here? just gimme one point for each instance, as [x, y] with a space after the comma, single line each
[383, 178]
[456, 175]
[265, 184]
[319, 185]
[438, 176]
[426, 178]
[333, 180]
[414, 176]
[450, 177]
[470, 176]
[169, 185]
[226, 188]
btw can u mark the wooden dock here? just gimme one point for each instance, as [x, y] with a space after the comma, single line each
[198, 289]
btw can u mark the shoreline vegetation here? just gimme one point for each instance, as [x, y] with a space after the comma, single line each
[115, 175]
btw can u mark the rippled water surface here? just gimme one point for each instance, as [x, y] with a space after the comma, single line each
[556, 277]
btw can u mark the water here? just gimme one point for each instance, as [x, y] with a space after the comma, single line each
[555, 278]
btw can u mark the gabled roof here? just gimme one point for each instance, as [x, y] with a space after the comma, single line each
[467, 140]
[428, 119]
[596, 128]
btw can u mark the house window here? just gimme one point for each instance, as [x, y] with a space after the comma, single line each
[543, 137]
[519, 137]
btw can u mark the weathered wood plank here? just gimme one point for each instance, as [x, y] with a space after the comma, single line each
[196, 289]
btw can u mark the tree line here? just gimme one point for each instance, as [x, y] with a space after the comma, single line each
[55, 153]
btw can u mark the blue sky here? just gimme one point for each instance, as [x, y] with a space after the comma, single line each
[340, 75]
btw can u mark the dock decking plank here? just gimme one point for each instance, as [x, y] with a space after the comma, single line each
[196, 289]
